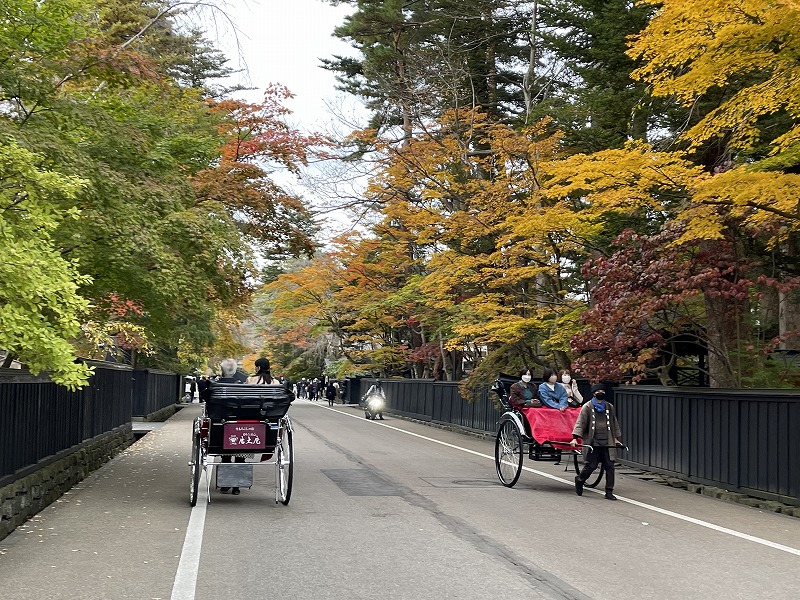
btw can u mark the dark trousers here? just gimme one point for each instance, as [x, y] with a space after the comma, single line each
[594, 458]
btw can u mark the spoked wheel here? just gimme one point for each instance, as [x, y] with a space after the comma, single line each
[196, 468]
[595, 478]
[508, 453]
[284, 467]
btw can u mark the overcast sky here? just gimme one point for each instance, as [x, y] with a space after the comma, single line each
[282, 41]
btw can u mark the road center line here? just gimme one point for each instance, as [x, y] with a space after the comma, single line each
[650, 507]
[186, 577]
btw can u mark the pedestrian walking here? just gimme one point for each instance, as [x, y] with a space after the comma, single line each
[597, 426]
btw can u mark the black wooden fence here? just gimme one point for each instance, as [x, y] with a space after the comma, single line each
[39, 419]
[742, 440]
[438, 402]
[154, 390]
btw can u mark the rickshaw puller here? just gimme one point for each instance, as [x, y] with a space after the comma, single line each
[597, 426]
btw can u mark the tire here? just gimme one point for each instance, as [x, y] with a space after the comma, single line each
[575, 463]
[284, 467]
[508, 453]
[196, 468]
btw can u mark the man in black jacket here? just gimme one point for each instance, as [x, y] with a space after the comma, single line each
[597, 426]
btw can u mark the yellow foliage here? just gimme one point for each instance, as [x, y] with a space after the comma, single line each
[766, 203]
[691, 47]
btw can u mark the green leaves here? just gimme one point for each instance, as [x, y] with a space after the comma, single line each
[40, 308]
[132, 196]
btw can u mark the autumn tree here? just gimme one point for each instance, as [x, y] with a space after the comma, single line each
[176, 194]
[468, 255]
[651, 302]
[589, 92]
[40, 308]
[734, 208]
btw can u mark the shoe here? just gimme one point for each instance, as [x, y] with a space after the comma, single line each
[610, 496]
[235, 492]
[579, 486]
[224, 490]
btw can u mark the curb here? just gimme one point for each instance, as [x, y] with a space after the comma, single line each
[675, 482]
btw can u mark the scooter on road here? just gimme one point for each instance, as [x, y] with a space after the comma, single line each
[373, 406]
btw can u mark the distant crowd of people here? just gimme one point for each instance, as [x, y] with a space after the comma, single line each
[316, 388]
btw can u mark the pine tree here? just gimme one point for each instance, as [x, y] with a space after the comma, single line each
[593, 98]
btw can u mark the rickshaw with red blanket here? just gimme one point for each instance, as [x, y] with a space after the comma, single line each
[243, 426]
[542, 433]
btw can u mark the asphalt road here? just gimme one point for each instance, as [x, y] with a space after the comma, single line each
[389, 510]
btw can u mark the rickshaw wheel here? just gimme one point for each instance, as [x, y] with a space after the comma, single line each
[196, 468]
[508, 453]
[284, 467]
[595, 479]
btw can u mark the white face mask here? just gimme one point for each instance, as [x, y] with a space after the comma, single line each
[526, 378]
[566, 378]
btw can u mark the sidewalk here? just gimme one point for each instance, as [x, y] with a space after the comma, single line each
[99, 540]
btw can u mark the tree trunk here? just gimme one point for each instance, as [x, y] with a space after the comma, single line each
[457, 369]
[562, 361]
[725, 331]
[403, 90]
[530, 74]
[789, 308]
[491, 66]
[416, 340]
[7, 361]
[447, 373]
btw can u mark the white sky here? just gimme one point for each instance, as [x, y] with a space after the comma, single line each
[282, 41]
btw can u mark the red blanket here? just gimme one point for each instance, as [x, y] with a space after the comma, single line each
[550, 424]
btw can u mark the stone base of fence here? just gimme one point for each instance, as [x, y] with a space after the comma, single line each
[163, 414]
[706, 490]
[33, 492]
[482, 435]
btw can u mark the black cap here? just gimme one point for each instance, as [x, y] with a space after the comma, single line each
[598, 387]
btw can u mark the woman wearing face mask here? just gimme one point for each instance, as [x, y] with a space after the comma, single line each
[551, 392]
[523, 393]
[574, 397]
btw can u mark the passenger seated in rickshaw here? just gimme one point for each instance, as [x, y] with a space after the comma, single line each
[263, 375]
[523, 393]
[552, 393]
[229, 368]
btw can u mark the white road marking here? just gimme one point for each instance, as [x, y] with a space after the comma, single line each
[186, 576]
[650, 507]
